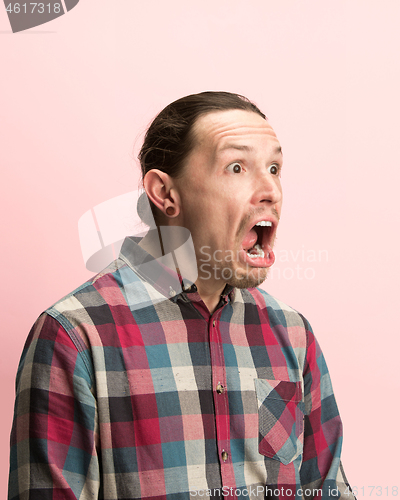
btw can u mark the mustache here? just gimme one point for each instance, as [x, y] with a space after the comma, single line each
[254, 213]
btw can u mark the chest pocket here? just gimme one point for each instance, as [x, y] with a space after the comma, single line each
[280, 419]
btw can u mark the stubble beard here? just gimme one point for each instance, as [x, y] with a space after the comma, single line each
[249, 278]
[236, 273]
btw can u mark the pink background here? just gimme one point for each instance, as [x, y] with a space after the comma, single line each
[75, 97]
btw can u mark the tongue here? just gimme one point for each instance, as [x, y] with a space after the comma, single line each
[250, 239]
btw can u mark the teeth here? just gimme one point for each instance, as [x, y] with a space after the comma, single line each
[260, 252]
[264, 223]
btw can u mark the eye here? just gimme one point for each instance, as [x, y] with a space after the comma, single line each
[273, 169]
[235, 168]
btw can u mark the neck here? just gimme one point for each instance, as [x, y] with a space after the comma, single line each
[210, 292]
[157, 245]
[152, 244]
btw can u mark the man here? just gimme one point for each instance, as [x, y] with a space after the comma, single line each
[169, 375]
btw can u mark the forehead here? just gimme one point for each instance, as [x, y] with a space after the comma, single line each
[215, 131]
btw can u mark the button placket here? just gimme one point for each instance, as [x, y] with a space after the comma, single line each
[221, 404]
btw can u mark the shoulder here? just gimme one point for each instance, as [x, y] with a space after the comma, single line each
[88, 306]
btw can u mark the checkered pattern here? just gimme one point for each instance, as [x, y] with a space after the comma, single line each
[124, 392]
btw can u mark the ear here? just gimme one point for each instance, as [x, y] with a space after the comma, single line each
[160, 189]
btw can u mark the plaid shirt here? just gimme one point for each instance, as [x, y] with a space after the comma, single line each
[128, 388]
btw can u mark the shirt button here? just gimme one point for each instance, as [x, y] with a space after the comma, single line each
[214, 322]
[171, 292]
[224, 456]
[220, 389]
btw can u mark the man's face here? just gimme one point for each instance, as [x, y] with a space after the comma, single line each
[231, 197]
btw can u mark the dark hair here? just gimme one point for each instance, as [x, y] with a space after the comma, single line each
[170, 139]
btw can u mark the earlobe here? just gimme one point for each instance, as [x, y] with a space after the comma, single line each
[170, 211]
[159, 187]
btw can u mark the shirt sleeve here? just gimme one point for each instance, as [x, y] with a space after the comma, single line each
[323, 434]
[53, 437]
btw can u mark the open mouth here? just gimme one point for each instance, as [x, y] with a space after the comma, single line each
[257, 245]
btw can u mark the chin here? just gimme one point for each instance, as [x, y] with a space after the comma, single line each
[248, 279]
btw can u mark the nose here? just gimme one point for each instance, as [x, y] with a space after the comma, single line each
[268, 189]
